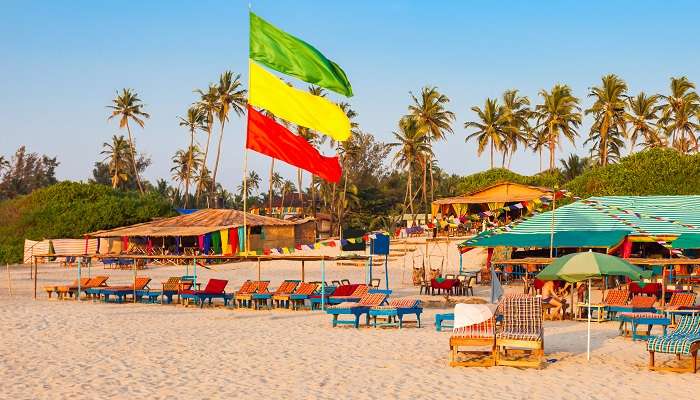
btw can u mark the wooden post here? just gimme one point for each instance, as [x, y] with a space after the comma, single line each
[258, 268]
[9, 280]
[35, 273]
[133, 285]
[302, 271]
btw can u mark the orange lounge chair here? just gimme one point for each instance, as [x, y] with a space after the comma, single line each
[96, 281]
[139, 284]
[54, 288]
[281, 296]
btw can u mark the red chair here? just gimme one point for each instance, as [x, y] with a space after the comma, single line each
[215, 289]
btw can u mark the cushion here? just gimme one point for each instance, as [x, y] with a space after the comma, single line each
[639, 315]
[406, 302]
[531, 336]
[616, 297]
[481, 330]
[675, 343]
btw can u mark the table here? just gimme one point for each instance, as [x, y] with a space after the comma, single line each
[599, 308]
[441, 318]
[643, 319]
[671, 314]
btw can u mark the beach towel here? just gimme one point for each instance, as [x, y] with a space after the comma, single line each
[200, 242]
[241, 238]
[207, 243]
[233, 240]
[225, 248]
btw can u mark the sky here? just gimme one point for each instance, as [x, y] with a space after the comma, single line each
[62, 63]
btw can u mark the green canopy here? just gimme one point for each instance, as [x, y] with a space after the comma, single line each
[687, 241]
[580, 238]
[581, 266]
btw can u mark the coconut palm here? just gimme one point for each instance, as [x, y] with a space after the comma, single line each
[518, 128]
[537, 140]
[203, 180]
[574, 166]
[209, 104]
[118, 156]
[679, 107]
[559, 114]
[231, 96]
[195, 121]
[128, 107]
[428, 111]
[412, 146]
[286, 187]
[276, 181]
[642, 117]
[183, 162]
[250, 185]
[608, 111]
[491, 127]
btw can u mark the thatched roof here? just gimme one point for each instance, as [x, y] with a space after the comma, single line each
[194, 224]
[505, 192]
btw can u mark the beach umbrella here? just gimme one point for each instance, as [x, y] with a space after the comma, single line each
[585, 266]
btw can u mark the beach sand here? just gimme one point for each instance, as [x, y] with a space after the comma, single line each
[86, 350]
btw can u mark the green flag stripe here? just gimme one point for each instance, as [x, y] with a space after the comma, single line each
[285, 53]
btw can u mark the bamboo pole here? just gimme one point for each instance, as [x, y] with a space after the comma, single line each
[35, 273]
[9, 280]
[551, 234]
[133, 286]
[258, 269]
[77, 294]
[302, 271]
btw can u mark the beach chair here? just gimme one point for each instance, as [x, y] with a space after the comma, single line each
[521, 332]
[280, 298]
[615, 299]
[395, 311]
[263, 296]
[321, 295]
[680, 300]
[475, 335]
[244, 297]
[683, 341]
[54, 288]
[639, 303]
[170, 288]
[120, 292]
[215, 289]
[68, 261]
[356, 309]
[94, 282]
[301, 293]
[345, 281]
[348, 293]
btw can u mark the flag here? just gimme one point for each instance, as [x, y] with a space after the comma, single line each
[302, 108]
[496, 288]
[270, 138]
[285, 53]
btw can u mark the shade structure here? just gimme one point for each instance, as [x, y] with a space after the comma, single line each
[581, 266]
[687, 241]
[578, 238]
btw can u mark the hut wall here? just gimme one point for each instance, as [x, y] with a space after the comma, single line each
[273, 236]
[305, 233]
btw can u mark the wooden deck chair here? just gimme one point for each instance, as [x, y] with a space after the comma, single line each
[302, 292]
[358, 292]
[679, 300]
[121, 292]
[50, 289]
[481, 335]
[395, 311]
[356, 309]
[94, 282]
[683, 341]
[244, 296]
[280, 298]
[614, 300]
[170, 288]
[521, 332]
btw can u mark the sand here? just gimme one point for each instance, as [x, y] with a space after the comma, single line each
[81, 350]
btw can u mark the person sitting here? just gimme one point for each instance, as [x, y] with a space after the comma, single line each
[550, 298]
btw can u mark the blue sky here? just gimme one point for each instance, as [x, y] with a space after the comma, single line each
[63, 61]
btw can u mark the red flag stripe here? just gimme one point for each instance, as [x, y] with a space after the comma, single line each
[272, 139]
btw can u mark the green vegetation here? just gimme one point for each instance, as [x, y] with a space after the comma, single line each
[69, 210]
[652, 172]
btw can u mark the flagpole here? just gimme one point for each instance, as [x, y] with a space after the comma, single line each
[245, 156]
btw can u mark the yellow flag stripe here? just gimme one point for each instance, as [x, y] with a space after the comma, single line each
[296, 106]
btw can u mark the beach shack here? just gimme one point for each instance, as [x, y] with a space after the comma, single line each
[208, 231]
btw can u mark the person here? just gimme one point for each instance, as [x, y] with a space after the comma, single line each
[550, 296]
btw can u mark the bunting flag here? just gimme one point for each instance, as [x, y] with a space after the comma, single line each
[285, 53]
[270, 138]
[300, 107]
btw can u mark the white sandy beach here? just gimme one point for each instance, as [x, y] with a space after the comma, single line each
[81, 350]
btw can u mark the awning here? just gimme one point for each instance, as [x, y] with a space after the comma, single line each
[604, 239]
[687, 241]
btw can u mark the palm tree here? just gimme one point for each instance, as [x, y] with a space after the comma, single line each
[184, 161]
[491, 128]
[537, 140]
[411, 146]
[680, 106]
[286, 187]
[250, 185]
[559, 114]
[117, 157]
[209, 104]
[642, 117]
[315, 140]
[127, 106]
[574, 166]
[203, 179]
[433, 120]
[275, 183]
[196, 120]
[608, 111]
[231, 96]
[518, 115]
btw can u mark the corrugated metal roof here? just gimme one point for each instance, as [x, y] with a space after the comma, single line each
[196, 223]
[581, 216]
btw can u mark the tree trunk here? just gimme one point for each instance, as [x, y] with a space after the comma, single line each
[301, 194]
[503, 160]
[218, 154]
[189, 168]
[432, 188]
[284, 189]
[269, 193]
[133, 158]
[491, 154]
[425, 188]
[551, 148]
[204, 162]
[313, 195]
[341, 207]
[540, 151]
[410, 194]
